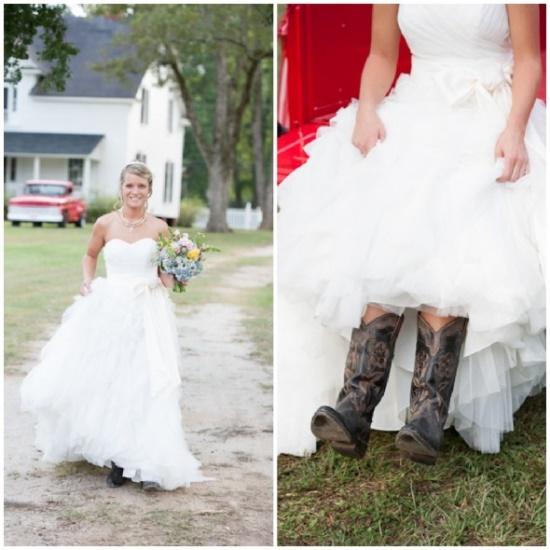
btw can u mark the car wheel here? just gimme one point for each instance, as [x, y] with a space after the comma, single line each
[15, 224]
[64, 222]
[81, 221]
[37, 224]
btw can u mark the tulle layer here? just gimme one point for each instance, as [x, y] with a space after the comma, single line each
[91, 392]
[419, 223]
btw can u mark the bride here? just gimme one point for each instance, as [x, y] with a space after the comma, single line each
[415, 231]
[107, 387]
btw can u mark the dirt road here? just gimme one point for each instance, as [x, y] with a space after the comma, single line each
[227, 413]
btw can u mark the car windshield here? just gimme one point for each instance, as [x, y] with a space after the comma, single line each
[43, 189]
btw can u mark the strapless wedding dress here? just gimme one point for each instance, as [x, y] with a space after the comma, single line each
[419, 223]
[107, 387]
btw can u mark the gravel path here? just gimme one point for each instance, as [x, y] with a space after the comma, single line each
[227, 413]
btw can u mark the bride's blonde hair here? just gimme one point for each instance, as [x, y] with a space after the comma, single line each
[138, 169]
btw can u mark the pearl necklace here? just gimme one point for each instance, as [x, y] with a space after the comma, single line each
[130, 224]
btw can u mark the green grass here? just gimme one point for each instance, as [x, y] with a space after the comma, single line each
[42, 270]
[259, 322]
[41, 275]
[467, 498]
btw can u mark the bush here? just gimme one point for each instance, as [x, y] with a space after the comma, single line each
[6, 201]
[99, 206]
[189, 208]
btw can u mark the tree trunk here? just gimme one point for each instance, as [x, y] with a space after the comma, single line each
[257, 138]
[267, 205]
[219, 167]
[218, 186]
[237, 186]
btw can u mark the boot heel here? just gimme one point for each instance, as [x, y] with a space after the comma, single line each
[420, 459]
[353, 450]
[327, 425]
[413, 447]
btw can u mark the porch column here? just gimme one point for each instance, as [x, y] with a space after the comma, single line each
[86, 178]
[36, 168]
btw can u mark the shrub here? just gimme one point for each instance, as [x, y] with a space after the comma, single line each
[6, 201]
[99, 206]
[189, 208]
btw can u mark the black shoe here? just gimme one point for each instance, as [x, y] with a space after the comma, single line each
[150, 486]
[115, 478]
[347, 425]
[436, 364]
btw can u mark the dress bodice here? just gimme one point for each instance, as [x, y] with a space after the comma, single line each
[124, 259]
[452, 31]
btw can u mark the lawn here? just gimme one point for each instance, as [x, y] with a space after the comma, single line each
[467, 498]
[42, 273]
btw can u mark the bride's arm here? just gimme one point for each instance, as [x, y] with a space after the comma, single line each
[524, 32]
[89, 262]
[377, 76]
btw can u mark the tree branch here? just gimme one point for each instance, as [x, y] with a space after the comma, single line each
[235, 124]
[200, 138]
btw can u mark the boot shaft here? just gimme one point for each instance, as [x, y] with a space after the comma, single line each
[436, 365]
[369, 359]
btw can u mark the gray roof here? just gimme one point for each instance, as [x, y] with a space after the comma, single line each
[93, 37]
[50, 144]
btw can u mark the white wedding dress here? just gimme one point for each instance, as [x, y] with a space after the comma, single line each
[418, 223]
[107, 387]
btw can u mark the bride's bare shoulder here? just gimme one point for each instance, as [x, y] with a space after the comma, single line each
[159, 224]
[106, 220]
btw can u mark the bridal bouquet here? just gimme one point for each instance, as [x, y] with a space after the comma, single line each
[181, 256]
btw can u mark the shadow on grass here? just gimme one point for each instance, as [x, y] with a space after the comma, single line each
[467, 498]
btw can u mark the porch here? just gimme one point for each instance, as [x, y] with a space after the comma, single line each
[33, 155]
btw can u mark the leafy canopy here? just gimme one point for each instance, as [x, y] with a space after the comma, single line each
[21, 24]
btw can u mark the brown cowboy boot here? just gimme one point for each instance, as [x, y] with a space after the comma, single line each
[437, 357]
[347, 426]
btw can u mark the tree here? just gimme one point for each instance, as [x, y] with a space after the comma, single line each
[262, 131]
[21, 23]
[193, 46]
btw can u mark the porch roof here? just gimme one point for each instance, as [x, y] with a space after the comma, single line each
[50, 144]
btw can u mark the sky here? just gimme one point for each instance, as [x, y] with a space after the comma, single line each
[76, 9]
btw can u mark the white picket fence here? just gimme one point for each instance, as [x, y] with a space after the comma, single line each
[237, 218]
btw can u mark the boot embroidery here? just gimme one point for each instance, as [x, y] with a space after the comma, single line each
[436, 363]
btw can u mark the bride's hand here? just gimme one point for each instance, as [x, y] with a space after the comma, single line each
[166, 279]
[368, 130]
[511, 146]
[85, 288]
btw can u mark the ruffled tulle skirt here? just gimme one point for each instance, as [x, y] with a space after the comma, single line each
[418, 224]
[92, 394]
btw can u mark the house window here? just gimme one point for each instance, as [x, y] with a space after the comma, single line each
[13, 169]
[141, 157]
[5, 103]
[10, 169]
[170, 115]
[14, 99]
[168, 181]
[76, 171]
[144, 106]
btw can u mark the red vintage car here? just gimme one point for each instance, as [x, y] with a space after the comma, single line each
[47, 201]
[323, 48]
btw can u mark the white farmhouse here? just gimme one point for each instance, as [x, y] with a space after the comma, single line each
[96, 125]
